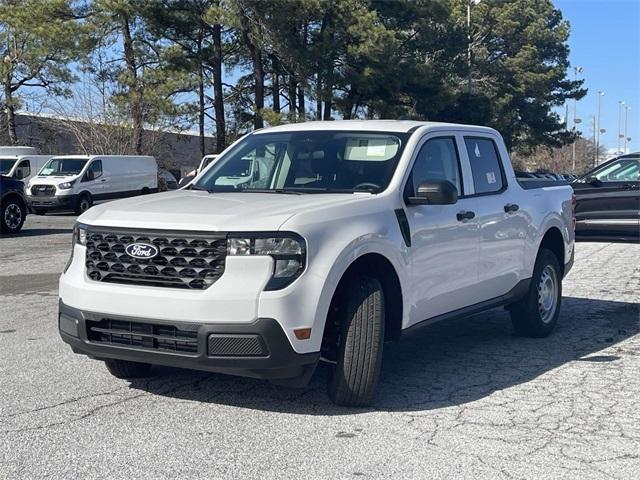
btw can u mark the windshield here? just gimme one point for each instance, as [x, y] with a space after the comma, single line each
[6, 164]
[623, 170]
[308, 162]
[63, 166]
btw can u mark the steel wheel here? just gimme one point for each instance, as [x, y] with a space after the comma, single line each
[13, 216]
[547, 293]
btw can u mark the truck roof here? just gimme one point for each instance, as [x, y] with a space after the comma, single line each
[88, 157]
[400, 126]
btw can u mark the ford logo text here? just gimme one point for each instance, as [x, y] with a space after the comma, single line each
[141, 250]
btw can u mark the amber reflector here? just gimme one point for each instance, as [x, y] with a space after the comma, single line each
[302, 333]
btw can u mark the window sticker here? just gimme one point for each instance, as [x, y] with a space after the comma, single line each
[477, 152]
[491, 177]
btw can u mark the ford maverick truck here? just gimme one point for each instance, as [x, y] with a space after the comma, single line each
[317, 242]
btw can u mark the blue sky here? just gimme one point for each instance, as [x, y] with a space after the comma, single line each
[605, 42]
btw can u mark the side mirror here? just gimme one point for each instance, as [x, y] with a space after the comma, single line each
[434, 192]
[594, 181]
[89, 175]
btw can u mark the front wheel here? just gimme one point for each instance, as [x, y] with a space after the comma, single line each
[84, 204]
[355, 375]
[536, 315]
[12, 216]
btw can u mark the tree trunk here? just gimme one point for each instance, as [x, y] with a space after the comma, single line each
[258, 71]
[218, 101]
[10, 111]
[301, 105]
[136, 100]
[292, 88]
[318, 97]
[275, 85]
[201, 99]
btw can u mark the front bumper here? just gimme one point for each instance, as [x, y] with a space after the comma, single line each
[60, 202]
[217, 347]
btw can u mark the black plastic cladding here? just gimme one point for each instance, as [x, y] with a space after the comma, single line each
[187, 260]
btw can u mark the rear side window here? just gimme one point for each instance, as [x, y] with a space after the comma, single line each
[485, 165]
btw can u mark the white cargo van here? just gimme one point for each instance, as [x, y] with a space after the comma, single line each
[22, 167]
[76, 182]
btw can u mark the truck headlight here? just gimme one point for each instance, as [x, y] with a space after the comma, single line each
[79, 235]
[287, 249]
[66, 185]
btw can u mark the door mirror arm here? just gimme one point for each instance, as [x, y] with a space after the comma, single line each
[593, 180]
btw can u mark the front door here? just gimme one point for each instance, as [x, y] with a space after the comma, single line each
[444, 246]
[609, 200]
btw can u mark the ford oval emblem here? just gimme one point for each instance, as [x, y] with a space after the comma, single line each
[141, 250]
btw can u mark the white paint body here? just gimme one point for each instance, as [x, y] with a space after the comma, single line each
[26, 166]
[450, 264]
[122, 175]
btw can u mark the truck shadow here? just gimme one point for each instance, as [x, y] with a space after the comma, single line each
[448, 364]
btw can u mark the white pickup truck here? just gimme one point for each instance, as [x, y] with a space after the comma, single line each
[351, 234]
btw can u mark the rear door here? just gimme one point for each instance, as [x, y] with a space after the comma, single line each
[608, 201]
[501, 220]
[444, 245]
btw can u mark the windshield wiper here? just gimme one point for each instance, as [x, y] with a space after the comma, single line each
[196, 187]
[286, 191]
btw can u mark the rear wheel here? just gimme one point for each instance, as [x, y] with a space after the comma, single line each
[84, 203]
[536, 315]
[360, 343]
[126, 369]
[12, 215]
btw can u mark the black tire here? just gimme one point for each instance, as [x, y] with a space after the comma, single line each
[83, 204]
[354, 377]
[39, 211]
[13, 213]
[529, 316]
[126, 369]
[145, 191]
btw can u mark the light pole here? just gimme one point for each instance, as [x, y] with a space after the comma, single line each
[626, 118]
[620, 105]
[597, 128]
[576, 70]
[469, 4]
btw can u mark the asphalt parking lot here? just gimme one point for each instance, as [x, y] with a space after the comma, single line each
[464, 399]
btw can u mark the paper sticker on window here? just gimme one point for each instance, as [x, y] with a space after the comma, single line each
[374, 150]
[491, 177]
[477, 152]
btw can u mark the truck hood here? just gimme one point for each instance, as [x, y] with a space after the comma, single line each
[203, 211]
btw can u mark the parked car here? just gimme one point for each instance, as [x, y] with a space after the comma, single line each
[608, 201]
[76, 182]
[22, 167]
[358, 232]
[13, 205]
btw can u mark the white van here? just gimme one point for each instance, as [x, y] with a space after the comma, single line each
[76, 182]
[22, 167]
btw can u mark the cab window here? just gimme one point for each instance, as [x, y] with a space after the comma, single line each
[94, 171]
[437, 160]
[23, 170]
[485, 165]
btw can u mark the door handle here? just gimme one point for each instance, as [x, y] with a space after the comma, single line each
[103, 180]
[511, 207]
[465, 215]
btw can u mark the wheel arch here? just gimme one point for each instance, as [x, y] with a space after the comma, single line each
[14, 195]
[378, 266]
[553, 240]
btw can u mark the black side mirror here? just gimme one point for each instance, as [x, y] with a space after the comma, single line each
[434, 192]
[89, 175]
[594, 181]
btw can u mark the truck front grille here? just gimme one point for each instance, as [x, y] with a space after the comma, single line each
[189, 261]
[43, 190]
[183, 339]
